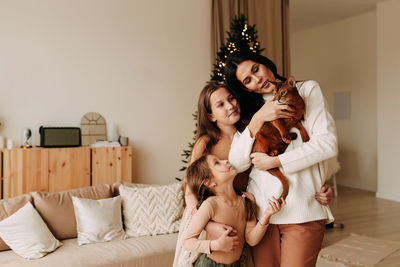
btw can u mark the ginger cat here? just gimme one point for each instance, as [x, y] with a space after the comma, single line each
[274, 137]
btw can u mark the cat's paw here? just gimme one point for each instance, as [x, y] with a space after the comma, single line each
[273, 153]
[305, 138]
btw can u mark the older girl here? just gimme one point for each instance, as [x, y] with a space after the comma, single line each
[296, 233]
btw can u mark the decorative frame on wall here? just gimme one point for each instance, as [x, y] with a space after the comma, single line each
[93, 127]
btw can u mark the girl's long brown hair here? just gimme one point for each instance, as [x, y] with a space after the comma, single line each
[197, 173]
[205, 127]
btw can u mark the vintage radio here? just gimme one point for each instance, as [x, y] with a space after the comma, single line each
[60, 136]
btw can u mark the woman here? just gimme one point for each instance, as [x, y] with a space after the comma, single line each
[295, 235]
[217, 119]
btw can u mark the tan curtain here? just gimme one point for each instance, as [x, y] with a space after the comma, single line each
[271, 19]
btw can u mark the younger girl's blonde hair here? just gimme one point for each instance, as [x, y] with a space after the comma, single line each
[197, 173]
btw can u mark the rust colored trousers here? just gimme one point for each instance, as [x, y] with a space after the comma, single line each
[290, 245]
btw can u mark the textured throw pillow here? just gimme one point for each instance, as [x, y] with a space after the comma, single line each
[26, 233]
[98, 220]
[152, 210]
[57, 210]
[8, 207]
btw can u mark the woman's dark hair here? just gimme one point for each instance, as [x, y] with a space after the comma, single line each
[249, 102]
[197, 173]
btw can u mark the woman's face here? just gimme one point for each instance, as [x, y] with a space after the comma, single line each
[255, 76]
[224, 107]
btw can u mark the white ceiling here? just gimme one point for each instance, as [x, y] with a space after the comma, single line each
[305, 14]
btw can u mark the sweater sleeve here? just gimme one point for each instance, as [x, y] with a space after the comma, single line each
[321, 129]
[197, 224]
[239, 153]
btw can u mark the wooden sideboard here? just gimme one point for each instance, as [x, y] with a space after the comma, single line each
[58, 169]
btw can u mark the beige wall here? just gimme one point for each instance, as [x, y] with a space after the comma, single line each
[342, 57]
[139, 63]
[388, 44]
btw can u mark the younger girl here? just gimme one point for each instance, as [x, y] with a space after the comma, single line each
[211, 181]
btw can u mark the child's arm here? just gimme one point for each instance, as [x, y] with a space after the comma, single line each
[199, 220]
[255, 231]
[190, 199]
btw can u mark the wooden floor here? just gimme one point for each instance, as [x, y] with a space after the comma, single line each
[363, 214]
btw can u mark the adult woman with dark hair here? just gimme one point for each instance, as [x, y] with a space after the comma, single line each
[296, 233]
[217, 121]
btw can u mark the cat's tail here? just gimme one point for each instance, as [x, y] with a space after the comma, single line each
[285, 182]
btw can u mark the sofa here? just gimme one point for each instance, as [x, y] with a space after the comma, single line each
[57, 211]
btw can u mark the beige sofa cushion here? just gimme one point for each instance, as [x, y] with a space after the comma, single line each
[27, 234]
[57, 209]
[148, 251]
[8, 207]
[98, 220]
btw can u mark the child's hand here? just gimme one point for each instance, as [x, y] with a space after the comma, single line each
[273, 207]
[225, 242]
[232, 232]
[215, 230]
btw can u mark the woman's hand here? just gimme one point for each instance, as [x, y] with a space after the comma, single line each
[272, 110]
[273, 207]
[264, 162]
[325, 195]
[215, 230]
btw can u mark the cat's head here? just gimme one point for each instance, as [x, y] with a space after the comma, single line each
[286, 92]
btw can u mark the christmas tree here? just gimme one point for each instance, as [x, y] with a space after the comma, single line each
[240, 37]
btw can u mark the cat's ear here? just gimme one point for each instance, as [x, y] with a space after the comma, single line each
[291, 81]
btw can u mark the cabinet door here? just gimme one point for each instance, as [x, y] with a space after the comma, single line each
[24, 171]
[111, 164]
[69, 168]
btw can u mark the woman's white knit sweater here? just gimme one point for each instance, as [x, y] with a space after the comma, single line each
[304, 164]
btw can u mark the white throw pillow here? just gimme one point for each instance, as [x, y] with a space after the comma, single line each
[27, 234]
[152, 210]
[98, 220]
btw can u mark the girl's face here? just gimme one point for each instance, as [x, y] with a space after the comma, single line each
[224, 107]
[255, 76]
[221, 170]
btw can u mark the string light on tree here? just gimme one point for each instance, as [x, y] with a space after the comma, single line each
[241, 36]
